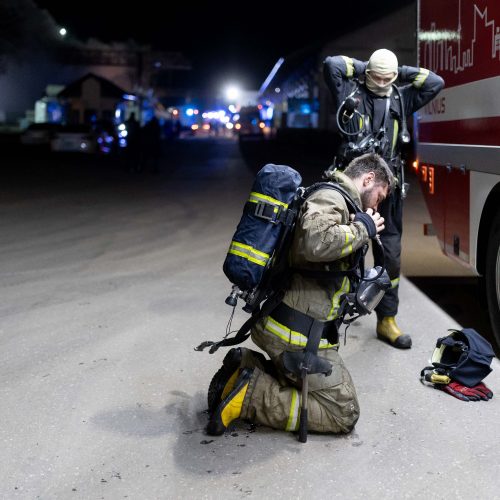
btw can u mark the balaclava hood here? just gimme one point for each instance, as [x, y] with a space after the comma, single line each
[384, 62]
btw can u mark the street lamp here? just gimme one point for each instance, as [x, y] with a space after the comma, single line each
[63, 32]
[232, 93]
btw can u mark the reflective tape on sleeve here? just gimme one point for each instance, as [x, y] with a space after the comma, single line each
[249, 253]
[349, 66]
[421, 77]
[394, 282]
[347, 247]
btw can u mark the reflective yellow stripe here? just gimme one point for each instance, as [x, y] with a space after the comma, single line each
[394, 282]
[344, 288]
[421, 77]
[290, 336]
[395, 135]
[293, 417]
[256, 197]
[248, 247]
[347, 248]
[249, 253]
[349, 66]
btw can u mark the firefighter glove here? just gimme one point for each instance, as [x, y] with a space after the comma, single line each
[459, 391]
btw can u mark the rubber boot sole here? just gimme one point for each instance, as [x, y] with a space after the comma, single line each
[230, 408]
[229, 370]
[402, 342]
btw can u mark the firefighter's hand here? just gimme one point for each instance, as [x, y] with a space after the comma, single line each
[377, 219]
[372, 220]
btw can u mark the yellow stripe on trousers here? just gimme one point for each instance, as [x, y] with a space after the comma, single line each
[293, 417]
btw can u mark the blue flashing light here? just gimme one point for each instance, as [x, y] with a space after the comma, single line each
[190, 111]
[305, 109]
[130, 97]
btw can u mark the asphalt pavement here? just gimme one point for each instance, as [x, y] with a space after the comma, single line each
[110, 279]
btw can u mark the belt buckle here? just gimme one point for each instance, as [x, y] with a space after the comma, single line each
[261, 207]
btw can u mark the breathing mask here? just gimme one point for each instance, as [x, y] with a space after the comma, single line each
[368, 294]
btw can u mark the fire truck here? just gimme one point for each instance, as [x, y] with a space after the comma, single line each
[458, 135]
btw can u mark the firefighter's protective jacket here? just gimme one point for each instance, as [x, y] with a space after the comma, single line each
[418, 87]
[325, 239]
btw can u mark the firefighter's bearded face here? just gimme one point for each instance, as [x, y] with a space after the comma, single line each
[372, 193]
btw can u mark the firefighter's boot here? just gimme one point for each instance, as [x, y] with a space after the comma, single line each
[223, 381]
[388, 331]
[230, 408]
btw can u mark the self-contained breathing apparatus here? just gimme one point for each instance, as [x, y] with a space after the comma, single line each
[359, 138]
[267, 220]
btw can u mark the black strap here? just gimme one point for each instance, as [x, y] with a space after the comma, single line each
[303, 323]
[404, 127]
[271, 213]
[244, 331]
[351, 204]
[324, 275]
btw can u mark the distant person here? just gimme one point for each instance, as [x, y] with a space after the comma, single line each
[214, 127]
[151, 144]
[133, 143]
[177, 128]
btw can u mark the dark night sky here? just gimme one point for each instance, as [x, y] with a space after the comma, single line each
[238, 40]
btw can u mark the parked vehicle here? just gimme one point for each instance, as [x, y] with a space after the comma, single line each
[39, 134]
[75, 139]
[249, 123]
[459, 136]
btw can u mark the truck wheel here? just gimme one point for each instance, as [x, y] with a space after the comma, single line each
[492, 277]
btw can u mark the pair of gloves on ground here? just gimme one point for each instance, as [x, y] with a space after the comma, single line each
[477, 393]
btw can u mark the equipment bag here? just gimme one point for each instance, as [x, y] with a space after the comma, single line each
[265, 214]
[463, 356]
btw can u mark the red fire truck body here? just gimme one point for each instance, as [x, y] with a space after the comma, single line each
[458, 135]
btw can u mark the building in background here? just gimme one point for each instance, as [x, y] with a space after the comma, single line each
[33, 55]
[89, 99]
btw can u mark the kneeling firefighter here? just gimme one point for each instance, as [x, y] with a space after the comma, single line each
[305, 379]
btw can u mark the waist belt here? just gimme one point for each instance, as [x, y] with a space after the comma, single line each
[301, 323]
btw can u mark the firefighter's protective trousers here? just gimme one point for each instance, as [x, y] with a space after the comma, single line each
[275, 400]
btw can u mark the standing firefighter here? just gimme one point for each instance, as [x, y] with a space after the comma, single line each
[371, 117]
[326, 241]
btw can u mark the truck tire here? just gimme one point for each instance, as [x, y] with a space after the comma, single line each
[492, 277]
